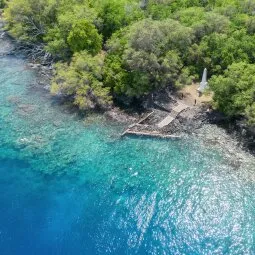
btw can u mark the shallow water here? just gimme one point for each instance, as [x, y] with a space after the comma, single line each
[71, 186]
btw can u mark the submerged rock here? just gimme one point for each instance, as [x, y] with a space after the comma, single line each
[33, 65]
[36, 141]
[26, 109]
[13, 99]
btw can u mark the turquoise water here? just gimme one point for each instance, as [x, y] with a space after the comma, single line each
[70, 185]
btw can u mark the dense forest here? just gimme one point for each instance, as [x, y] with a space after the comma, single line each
[107, 50]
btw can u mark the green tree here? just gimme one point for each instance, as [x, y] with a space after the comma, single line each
[250, 114]
[29, 20]
[72, 18]
[147, 56]
[203, 23]
[160, 10]
[234, 92]
[84, 36]
[116, 14]
[50, 22]
[218, 51]
[81, 80]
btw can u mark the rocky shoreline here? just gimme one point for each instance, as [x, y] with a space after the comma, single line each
[193, 120]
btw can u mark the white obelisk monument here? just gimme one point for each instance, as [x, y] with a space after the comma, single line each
[203, 83]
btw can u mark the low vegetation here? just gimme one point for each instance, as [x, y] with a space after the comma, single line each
[115, 49]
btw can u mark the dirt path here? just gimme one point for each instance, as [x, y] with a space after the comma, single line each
[190, 94]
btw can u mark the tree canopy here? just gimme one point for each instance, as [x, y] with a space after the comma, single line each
[234, 91]
[81, 80]
[146, 57]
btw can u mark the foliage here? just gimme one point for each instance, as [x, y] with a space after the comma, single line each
[2, 3]
[52, 22]
[69, 22]
[218, 51]
[146, 57]
[84, 36]
[148, 44]
[234, 92]
[28, 20]
[81, 80]
[203, 23]
[160, 10]
[116, 14]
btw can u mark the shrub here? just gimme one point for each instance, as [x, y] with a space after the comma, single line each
[81, 80]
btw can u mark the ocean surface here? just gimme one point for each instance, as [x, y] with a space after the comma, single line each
[69, 185]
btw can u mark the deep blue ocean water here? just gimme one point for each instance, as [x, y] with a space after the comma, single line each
[70, 185]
